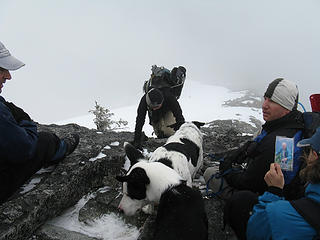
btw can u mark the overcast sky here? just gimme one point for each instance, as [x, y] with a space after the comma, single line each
[79, 51]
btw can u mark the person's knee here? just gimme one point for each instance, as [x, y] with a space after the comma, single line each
[237, 211]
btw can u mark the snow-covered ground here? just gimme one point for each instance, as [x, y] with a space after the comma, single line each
[108, 227]
[199, 102]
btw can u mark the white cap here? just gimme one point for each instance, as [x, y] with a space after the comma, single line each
[283, 92]
[7, 61]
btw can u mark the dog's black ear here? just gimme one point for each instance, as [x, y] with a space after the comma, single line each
[122, 178]
[198, 124]
[184, 182]
[133, 154]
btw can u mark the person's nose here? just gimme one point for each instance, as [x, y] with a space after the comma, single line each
[265, 104]
[7, 75]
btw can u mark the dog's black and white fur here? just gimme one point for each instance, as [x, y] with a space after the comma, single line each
[183, 151]
[181, 213]
[170, 165]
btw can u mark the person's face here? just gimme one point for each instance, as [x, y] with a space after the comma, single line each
[284, 146]
[4, 75]
[272, 110]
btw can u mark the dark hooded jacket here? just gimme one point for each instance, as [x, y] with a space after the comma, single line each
[18, 143]
[259, 155]
[170, 103]
[17, 140]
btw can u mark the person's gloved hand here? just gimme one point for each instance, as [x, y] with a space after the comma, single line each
[17, 112]
[240, 155]
[225, 165]
[137, 141]
[176, 125]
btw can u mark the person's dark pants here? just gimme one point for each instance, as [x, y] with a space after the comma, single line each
[238, 210]
[13, 176]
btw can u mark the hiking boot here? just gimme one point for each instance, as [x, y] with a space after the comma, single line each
[72, 142]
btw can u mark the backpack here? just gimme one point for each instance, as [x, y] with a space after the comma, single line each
[293, 183]
[162, 77]
[310, 211]
[311, 123]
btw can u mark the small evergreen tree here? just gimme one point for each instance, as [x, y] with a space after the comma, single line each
[103, 119]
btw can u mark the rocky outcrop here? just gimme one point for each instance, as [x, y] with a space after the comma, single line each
[94, 165]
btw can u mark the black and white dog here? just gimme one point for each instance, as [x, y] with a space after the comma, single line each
[181, 213]
[170, 165]
[183, 151]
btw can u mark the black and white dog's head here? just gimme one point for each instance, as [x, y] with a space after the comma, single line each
[144, 182]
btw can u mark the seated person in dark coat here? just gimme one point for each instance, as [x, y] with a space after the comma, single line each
[282, 119]
[24, 150]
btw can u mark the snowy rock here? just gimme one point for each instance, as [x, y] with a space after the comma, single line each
[77, 176]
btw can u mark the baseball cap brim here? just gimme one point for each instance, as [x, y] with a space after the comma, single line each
[304, 143]
[10, 63]
[313, 142]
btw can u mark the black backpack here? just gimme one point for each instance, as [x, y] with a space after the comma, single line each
[295, 188]
[311, 123]
[162, 77]
[310, 211]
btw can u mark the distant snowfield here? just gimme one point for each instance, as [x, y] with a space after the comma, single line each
[199, 102]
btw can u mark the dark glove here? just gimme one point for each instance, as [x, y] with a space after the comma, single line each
[137, 141]
[225, 165]
[176, 125]
[17, 112]
[242, 153]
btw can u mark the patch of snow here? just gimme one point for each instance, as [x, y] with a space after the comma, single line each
[248, 101]
[29, 186]
[100, 155]
[115, 144]
[104, 189]
[109, 226]
[46, 170]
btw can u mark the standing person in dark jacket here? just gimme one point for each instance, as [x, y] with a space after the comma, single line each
[270, 216]
[24, 150]
[163, 110]
[282, 119]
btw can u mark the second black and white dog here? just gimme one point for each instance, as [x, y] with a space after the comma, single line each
[170, 165]
[166, 180]
[183, 151]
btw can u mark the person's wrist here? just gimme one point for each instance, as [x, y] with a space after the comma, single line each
[275, 190]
